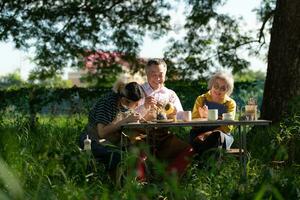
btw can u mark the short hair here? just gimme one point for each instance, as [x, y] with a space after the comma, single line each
[155, 61]
[132, 91]
[228, 78]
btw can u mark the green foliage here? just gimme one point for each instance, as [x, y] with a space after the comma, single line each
[281, 141]
[48, 165]
[265, 14]
[248, 89]
[249, 75]
[12, 184]
[289, 134]
[55, 81]
[50, 100]
[188, 91]
[61, 33]
[80, 100]
[12, 80]
[212, 41]
[66, 33]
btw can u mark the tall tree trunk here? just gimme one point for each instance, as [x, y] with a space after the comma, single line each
[283, 73]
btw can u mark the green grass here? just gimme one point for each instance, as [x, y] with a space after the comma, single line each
[46, 163]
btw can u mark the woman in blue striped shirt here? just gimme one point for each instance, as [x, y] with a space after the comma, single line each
[104, 124]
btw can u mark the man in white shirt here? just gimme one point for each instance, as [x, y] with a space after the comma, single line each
[167, 146]
[155, 91]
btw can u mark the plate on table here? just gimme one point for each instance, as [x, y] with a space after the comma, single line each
[199, 119]
[163, 120]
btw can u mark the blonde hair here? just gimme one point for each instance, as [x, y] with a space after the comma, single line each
[228, 78]
[125, 78]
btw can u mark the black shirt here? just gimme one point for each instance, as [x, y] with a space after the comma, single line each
[104, 112]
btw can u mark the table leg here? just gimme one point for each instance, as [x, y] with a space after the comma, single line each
[150, 140]
[152, 143]
[243, 151]
[244, 134]
[241, 144]
[121, 146]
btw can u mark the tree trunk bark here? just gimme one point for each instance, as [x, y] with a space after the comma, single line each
[283, 72]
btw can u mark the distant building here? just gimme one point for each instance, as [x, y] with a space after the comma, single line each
[74, 77]
[98, 59]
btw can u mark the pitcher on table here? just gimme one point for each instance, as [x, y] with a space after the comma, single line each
[251, 110]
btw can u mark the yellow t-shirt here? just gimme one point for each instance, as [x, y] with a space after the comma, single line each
[227, 101]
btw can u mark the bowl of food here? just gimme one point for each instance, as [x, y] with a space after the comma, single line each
[161, 116]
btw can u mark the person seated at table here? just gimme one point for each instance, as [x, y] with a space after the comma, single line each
[167, 146]
[203, 138]
[105, 120]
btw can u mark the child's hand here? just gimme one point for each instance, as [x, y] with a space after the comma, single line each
[203, 111]
[132, 118]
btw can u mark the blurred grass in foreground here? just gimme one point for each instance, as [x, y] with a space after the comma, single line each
[46, 163]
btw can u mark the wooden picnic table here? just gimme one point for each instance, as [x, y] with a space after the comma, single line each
[203, 122]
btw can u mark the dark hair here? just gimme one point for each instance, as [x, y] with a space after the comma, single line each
[156, 61]
[133, 91]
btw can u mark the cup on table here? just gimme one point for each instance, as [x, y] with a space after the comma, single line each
[187, 116]
[251, 112]
[227, 116]
[212, 114]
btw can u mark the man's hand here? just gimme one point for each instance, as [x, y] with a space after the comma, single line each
[150, 102]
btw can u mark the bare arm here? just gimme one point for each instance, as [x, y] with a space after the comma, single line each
[105, 131]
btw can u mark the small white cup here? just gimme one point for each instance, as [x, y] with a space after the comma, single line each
[212, 114]
[227, 116]
[187, 116]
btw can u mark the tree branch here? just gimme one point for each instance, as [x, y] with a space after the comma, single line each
[2, 6]
[113, 5]
[266, 19]
[245, 43]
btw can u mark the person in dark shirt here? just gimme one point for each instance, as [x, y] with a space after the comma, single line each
[104, 123]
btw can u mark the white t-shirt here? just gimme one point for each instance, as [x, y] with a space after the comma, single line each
[162, 95]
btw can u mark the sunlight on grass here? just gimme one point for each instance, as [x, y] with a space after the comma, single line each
[46, 163]
[10, 181]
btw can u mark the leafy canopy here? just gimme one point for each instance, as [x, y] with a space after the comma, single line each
[62, 32]
[11, 80]
[214, 40]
